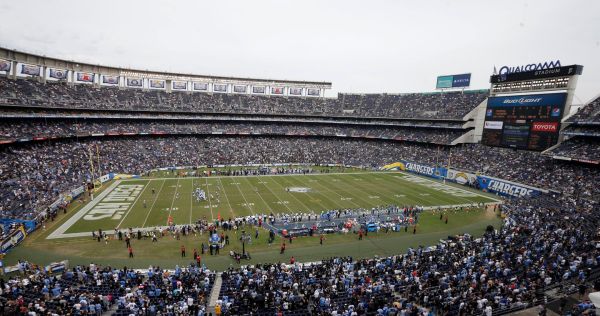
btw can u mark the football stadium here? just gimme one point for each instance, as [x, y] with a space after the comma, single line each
[402, 170]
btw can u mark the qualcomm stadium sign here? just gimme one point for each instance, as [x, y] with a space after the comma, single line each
[504, 70]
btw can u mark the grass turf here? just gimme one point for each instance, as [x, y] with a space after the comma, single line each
[248, 195]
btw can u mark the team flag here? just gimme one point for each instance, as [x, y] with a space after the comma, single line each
[85, 77]
[134, 82]
[32, 70]
[200, 86]
[314, 92]
[5, 65]
[179, 85]
[277, 90]
[220, 87]
[59, 74]
[157, 84]
[110, 79]
[296, 91]
[239, 89]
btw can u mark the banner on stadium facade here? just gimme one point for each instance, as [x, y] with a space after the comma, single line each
[5, 65]
[258, 90]
[85, 77]
[59, 74]
[295, 91]
[403, 165]
[13, 239]
[507, 188]
[135, 82]
[219, 87]
[179, 85]
[276, 90]
[32, 70]
[113, 80]
[157, 84]
[313, 92]
[239, 89]
[461, 177]
[200, 86]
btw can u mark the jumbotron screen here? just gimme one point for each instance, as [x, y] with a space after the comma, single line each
[524, 121]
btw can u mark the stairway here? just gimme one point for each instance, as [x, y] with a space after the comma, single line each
[214, 294]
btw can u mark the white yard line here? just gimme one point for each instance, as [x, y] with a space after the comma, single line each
[60, 231]
[318, 201]
[192, 201]
[154, 202]
[330, 190]
[243, 196]
[260, 196]
[132, 205]
[226, 198]
[173, 200]
[212, 217]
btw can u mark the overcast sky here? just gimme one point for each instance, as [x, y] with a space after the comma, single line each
[359, 46]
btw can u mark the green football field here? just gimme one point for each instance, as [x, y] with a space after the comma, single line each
[149, 203]
[120, 203]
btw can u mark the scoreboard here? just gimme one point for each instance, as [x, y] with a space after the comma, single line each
[524, 121]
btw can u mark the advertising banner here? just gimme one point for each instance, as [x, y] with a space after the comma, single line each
[493, 124]
[276, 90]
[443, 82]
[13, 239]
[258, 89]
[548, 99]
[453, 81]
[403, 165]
[461, 177]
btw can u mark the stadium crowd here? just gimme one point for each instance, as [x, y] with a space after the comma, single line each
[415, 105]
[580, 148]
[589, 113]
[544, 243]
[13, 129]
[536, 248]
[94, 289]
[33, 175]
